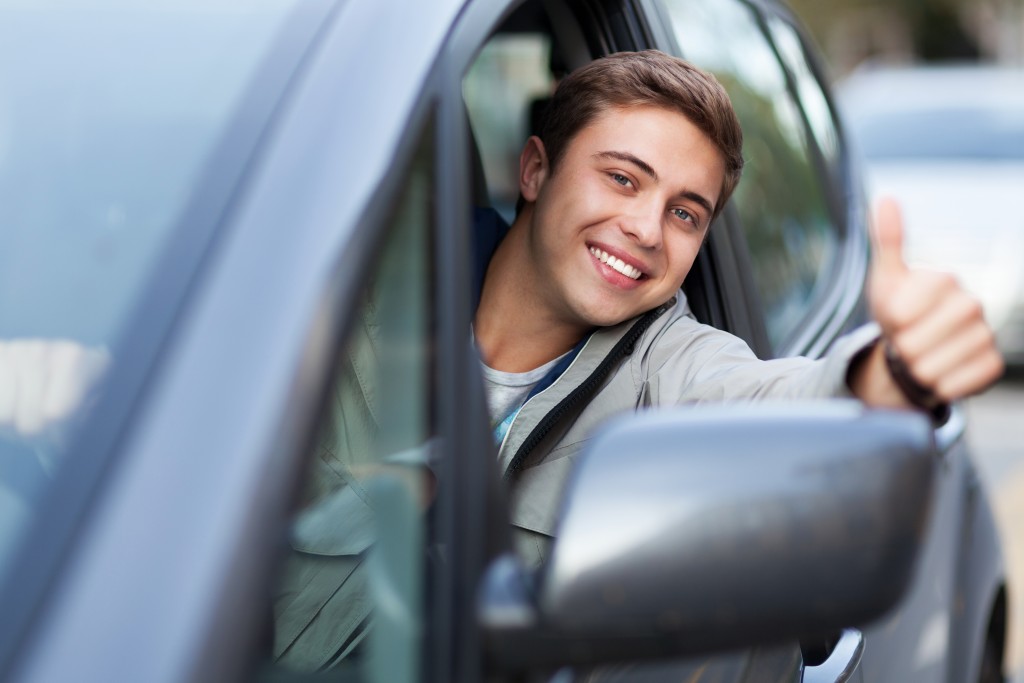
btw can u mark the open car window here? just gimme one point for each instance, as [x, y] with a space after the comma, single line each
[505, 93]
[506, 90]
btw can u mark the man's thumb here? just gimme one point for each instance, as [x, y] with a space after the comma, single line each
[888, 239]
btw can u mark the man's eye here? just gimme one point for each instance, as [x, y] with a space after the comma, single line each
[685, 215]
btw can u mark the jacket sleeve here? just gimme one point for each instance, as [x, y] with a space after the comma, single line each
[689, 362]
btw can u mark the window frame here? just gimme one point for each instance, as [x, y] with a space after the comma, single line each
[370, 245]
[837, 307]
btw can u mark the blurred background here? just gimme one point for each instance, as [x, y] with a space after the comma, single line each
[853, 33]
[932, 92]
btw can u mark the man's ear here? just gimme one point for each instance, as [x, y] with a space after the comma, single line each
[533, 168]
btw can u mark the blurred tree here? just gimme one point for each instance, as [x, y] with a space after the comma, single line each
[939, 33]
[851, 31]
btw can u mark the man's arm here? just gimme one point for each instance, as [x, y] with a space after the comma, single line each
[939, 346]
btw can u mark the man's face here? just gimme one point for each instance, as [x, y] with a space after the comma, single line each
[616, 227]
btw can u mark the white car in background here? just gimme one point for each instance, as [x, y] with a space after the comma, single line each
[948, 142]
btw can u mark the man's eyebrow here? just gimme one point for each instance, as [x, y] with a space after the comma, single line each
[636, 161]
[699, 199]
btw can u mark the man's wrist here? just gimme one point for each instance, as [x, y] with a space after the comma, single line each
[917, 394]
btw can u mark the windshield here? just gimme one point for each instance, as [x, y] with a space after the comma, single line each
[963, 132]
[110, 112]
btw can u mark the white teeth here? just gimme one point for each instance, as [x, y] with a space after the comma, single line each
[616, 263]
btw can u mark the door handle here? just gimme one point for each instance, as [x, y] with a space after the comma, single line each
[950, 432]
[841, 663]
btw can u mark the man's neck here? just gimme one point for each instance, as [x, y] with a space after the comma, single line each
[514, 327]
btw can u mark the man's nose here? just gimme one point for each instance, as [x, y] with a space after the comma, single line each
[644, 227]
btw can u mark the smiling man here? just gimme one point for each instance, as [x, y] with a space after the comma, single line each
[606, 235]
[581, 315]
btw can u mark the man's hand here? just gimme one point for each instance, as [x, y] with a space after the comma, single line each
[43, 381]
[928, 321]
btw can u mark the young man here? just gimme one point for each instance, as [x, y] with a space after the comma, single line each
[581, 314]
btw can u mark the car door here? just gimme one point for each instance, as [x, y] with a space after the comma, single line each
[325, 236]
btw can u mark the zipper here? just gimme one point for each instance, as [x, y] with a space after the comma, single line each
[512, 424]
[622, 348]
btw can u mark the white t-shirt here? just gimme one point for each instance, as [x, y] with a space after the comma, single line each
[507, 392]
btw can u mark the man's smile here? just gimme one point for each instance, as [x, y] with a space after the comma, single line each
[618, 268]
[632, 272]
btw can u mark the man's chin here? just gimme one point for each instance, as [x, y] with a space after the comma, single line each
[610, 318]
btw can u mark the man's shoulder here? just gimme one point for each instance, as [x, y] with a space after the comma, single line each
[679, 321]
[679, 335]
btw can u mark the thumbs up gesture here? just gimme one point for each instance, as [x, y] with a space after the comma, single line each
[933, 331]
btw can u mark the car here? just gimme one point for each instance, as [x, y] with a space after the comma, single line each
[928, 132]
[238, 205]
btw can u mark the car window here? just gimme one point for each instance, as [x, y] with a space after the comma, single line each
[781, 200]
[107, 126]
[98, 153]
[505, 92]
[812, 97]
[351, 590]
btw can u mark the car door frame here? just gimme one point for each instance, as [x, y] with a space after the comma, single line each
[840, 308]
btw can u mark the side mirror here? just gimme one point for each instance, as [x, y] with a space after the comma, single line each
[696, 530]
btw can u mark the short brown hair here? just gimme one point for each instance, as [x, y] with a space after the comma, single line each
[626, 79]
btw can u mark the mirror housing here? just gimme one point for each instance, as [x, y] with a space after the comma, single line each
[697, 530]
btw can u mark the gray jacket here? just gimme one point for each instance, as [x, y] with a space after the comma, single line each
[664, 357]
